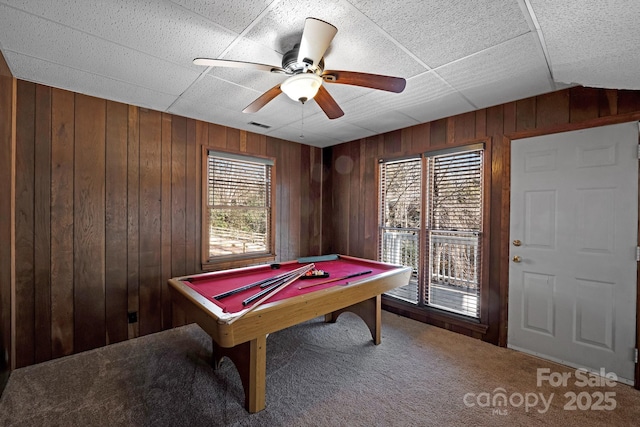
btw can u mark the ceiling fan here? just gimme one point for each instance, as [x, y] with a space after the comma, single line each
[305, 66]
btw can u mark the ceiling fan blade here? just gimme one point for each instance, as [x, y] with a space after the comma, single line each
[263, 100]
[328, 104]
[316, 38]
[373, 81]
[209, 62]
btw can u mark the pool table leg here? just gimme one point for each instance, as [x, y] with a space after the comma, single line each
[250, 359]
[369, 310]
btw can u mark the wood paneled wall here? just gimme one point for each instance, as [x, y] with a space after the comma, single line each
[7, 88]
[353, 207]
[108, 208]
[107, 204]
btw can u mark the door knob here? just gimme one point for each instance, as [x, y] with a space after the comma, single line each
[517, 242]
[517, 258]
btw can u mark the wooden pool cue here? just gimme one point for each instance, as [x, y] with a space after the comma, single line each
[266, 290]
[334, 280]
[269, 295]
[261, 283]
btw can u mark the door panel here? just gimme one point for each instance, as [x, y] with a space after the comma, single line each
[595, 327]
[538, 304]
[595, 230]
[540, 219]
[574, 207]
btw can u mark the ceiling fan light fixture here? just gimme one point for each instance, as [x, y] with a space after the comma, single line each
[302, 87]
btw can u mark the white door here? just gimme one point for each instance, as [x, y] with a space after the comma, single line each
[574, 215]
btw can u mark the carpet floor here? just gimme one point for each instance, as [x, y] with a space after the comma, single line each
[317, 375]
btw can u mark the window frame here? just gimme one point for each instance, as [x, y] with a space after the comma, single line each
[428, 228]
[237, 260]
[438, 315]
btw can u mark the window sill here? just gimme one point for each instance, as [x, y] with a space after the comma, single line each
[237, 262]
[432, 316]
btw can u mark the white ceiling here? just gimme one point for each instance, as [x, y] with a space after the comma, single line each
[457, 55]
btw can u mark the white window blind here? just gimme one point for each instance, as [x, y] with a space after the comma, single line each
[454, 230]
[400, 218]
[238, 204]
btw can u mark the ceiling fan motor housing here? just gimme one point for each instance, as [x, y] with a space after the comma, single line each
[292, 65]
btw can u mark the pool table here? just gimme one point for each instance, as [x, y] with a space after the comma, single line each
[239, 331]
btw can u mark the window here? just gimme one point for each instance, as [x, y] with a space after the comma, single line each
[447, 263]
[400, 219]
[238, 214]
[454, 230]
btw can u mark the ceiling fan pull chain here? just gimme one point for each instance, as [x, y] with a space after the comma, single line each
[302, 120]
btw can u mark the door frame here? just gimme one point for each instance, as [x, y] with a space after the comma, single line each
[506, 215]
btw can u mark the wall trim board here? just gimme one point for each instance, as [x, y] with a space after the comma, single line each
[8, 98]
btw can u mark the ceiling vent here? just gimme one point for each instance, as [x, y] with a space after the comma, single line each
[260, 125]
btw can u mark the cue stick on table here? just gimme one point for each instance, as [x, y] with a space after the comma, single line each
[269, 295]
[334, 280]
[272, 286]
[261, 283]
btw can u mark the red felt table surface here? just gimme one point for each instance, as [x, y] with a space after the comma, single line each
[217, 283]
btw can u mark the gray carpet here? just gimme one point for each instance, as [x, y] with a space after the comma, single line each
[317, 375]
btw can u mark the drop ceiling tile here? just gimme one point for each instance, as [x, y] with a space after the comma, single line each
[218, 115]
[372, 104]
[235, 15]
[284, 111]
[385, 121]
[364, 116]
[251, 79]
[345, 93]
[250, 51]
[425, 98]
[359, 47]
[287, 117]
[50, 74]
[513, 70]
[440, 31]
[292, 133]
[157, 28]
[279, 112]
[210, 92]
[597, 72]
[30, 35]
[341, 129]
[589, 47]
[229, 118]
[428, 111]
[213, 113]
[350, 132]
